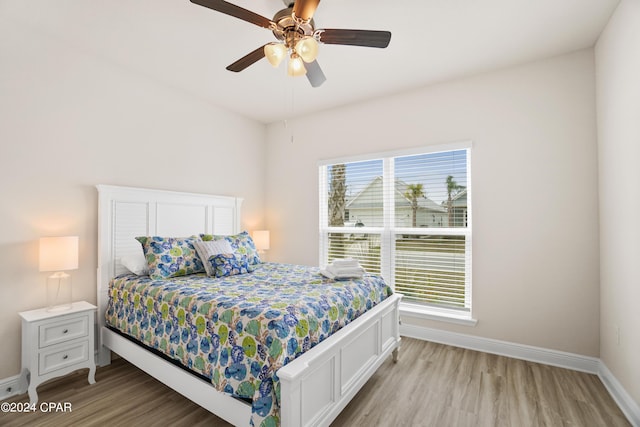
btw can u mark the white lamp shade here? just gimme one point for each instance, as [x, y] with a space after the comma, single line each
[261, 239]
[275, 53]
[307, 48]
[58, 253]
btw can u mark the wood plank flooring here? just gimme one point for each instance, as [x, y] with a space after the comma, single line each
[431, 385]
[439, 385]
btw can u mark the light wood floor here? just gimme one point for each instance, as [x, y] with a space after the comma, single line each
[431, 385]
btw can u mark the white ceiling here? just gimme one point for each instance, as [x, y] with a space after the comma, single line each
[187, 46]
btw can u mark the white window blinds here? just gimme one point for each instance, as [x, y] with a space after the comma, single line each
[406, 217]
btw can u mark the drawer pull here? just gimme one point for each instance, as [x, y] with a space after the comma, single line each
[65, 357]
[65, 331]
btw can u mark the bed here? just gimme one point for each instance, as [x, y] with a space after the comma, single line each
[315, 376]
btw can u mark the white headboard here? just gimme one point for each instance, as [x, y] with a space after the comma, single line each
[126, 212]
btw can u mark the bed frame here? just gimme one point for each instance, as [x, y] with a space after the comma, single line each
[315, 387]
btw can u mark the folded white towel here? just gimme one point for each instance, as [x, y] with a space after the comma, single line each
[330, 275]
[341, 269]
[345, 263]
[327, 274]
[345, 271]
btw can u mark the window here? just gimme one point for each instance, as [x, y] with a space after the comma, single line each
[406, 216]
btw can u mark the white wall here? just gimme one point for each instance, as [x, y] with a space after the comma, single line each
[535, 203]
[69, 121]
[618, 106]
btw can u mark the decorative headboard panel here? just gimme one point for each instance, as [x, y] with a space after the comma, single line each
[126, 212]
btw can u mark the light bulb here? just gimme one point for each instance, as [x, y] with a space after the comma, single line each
[275, 53]
[296, 66]
[307, 48]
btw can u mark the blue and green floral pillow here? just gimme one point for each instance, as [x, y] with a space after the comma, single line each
[170, 256]
[242, 244]
[229, 265]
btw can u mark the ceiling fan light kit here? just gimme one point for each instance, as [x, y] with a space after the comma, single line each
[295, 30]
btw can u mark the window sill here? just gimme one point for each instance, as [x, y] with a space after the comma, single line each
[438, 314]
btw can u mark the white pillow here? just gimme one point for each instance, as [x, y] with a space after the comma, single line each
[137, 264]
[209, 249]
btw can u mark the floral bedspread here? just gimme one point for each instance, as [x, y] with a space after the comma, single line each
[239, 330]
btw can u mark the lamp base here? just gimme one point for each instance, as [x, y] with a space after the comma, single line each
[59, 292]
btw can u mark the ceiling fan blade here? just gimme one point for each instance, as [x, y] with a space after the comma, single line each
[314, 74]
[235, 11]
[304, 9]
[365, 38]
[248, 59]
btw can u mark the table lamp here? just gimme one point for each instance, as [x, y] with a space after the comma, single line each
[59, 254]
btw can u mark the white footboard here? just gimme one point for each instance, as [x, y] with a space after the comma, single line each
[316, 388]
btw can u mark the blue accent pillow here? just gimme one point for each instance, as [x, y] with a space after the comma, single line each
[225, 265]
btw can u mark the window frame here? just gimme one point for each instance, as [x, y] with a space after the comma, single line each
[389, 230]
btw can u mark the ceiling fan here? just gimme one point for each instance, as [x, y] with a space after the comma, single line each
[297, 36]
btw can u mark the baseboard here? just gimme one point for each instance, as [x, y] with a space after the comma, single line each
[11, 386]
[627, 405]
[545, 356]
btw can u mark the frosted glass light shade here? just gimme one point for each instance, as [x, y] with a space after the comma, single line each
[307, 48]
[296, 67]
[261, 240]
[275, 53]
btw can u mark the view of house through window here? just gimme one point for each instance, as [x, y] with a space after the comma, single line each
[405, 217]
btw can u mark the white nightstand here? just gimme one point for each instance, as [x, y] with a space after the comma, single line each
[56, 343]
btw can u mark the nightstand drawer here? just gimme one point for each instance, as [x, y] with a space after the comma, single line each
[65, 330]
[54, 360]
